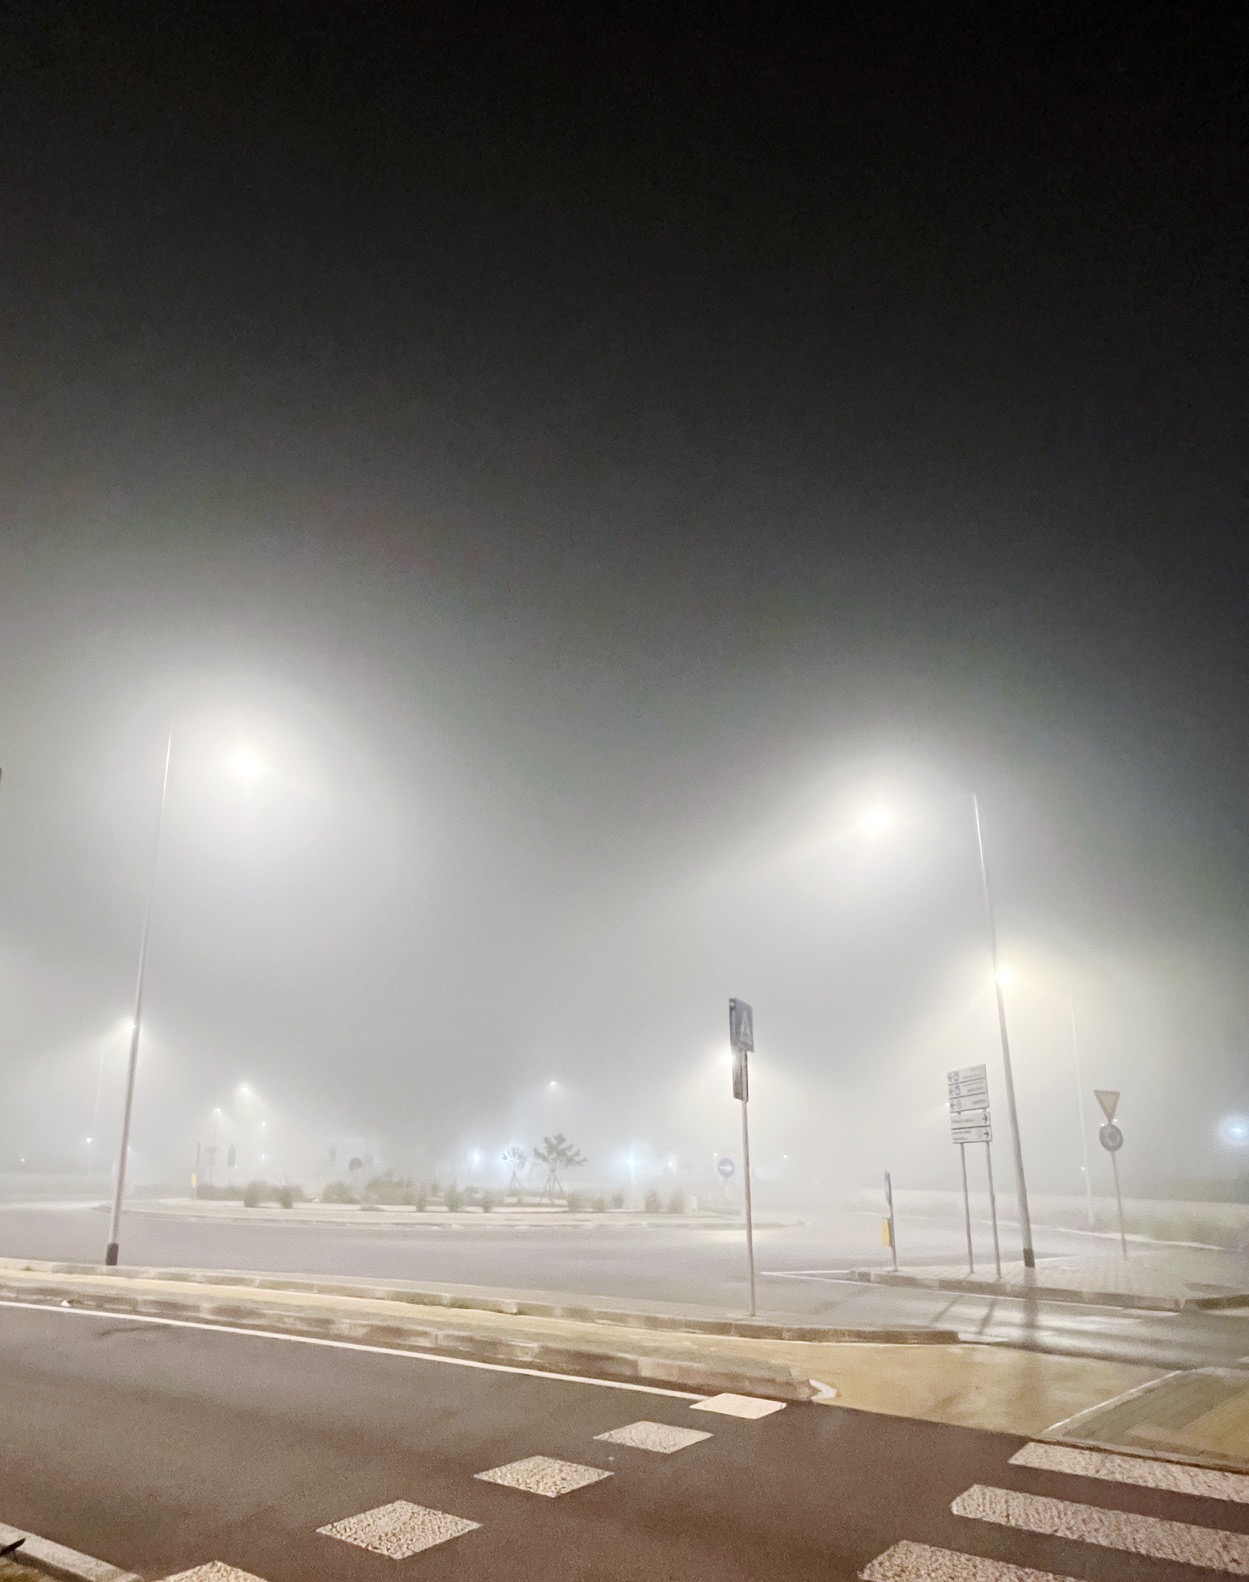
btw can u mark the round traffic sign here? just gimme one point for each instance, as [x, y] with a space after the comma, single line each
[725, 1167]
[1110, 1137]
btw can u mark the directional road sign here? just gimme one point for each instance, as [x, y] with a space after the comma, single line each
[725, 1167]
[1111, 1137]
[741, 1026]
[971, 1134]
[961, 1102]
[1108, 1098]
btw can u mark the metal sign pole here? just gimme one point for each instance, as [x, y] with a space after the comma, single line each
[742, 1040]
[750, 1226]
[1123, 1240]
[962, 1159]
[997, 1246]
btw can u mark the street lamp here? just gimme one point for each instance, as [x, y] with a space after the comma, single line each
[119, 1190]
[875, 821]
[1012, 1112]
[247, 766]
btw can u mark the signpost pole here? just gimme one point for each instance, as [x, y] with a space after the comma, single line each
[997, 1246]
[1111, 1138]
[742, 1040]
[962, 1159]
[1123, 1240]
[750, 1226]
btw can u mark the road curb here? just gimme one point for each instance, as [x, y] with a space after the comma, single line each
[774, 1380]
[55, 1560]
[971, 1286]
[518, 1307]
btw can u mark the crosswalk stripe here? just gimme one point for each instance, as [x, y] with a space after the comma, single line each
[908, 1562]
[1091, 1524]
[1145, 1473]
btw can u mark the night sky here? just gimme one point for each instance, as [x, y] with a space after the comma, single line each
[590, 462]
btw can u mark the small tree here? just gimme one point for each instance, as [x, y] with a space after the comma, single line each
[557, 1154]
[517, 1158]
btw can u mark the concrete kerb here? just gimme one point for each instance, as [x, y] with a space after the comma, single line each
[970, 1285]
[971, 1385]
[578, 1311]
[55, 1560]
[738, 1376]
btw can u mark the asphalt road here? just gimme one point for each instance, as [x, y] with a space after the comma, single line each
[160, 1447]
[687, 1265]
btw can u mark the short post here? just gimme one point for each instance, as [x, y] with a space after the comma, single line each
[971, 1257]
[890, 1222]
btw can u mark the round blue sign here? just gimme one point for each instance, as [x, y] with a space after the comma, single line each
[725, 1167]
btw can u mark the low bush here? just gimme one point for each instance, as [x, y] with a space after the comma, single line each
[617, 1200]
[488, 1202]
[337, 1192]
[599, 1205]
[254, 1194]
[420, 1198]
[286, 1196]
[454, 1199]
[576, 1203]
[675, 1203]
[652, 1203]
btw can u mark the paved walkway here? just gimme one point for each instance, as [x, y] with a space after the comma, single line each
[1151, 1276]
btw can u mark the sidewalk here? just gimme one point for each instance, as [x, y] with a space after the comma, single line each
[975, 1386]
[1152, 1278]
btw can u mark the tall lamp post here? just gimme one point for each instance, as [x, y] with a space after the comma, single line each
[1025, 1219]
[119, 1190]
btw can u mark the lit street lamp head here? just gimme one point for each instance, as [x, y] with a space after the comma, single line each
[246, 765]
[876, 821]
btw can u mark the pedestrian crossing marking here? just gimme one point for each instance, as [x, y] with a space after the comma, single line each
[1146, 1473]
[543, 1475]
[399, 1529]
[738, 1405]
[662, 1438]
[214, 1571]
[1092, 1524]
[908, 1562]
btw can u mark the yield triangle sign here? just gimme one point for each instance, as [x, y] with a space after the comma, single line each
[1108, 1098]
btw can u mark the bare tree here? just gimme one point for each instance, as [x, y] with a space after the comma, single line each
[517, 1158]
[557, 1154]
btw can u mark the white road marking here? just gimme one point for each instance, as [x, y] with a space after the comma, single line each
[738, 1406]
[543, 1475]
[1091, 1524]
[1204, 1482]
[214, 1571]
[662, 1438]
[908, 1562]
[353, 1345]
[399, 1530]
